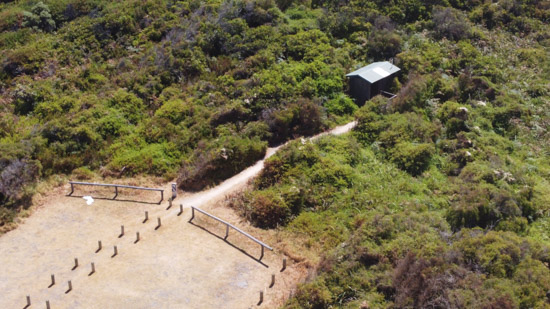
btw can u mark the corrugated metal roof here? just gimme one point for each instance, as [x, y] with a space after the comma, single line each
[375, 71]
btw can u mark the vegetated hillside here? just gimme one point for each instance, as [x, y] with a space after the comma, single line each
[193, 89]
[440, 197]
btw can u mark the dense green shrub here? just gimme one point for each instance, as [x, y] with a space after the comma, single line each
[314, 295]
[384, 44]
[15, 178]
[39, 18]
[454, 117]
[450, 23]
[156, 159]
[92, 87]
[267, 209]
[342, 105]
[413, 158]
[129, 104]
[303, 118]
[214, 163]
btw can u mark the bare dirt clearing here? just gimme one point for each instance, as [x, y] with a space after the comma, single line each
[180, 265]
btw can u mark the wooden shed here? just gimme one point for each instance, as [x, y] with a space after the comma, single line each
[371, 80]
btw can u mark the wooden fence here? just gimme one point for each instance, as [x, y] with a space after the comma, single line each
[227, 226]
[73, 183]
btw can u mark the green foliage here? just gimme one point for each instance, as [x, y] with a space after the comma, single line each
[129, 104]
[267, 209]
[39, 18]
[450, 23]
[224, 158]
[342, 105]
[303, 118]
[383, 44]
[413, 158]
[156, 159]
[439, 198]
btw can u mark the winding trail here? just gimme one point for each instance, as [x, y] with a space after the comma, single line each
[228, 186]
[179, 265]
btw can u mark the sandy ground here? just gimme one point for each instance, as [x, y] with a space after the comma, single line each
[179, 265]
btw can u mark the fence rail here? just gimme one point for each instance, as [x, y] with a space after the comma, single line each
[116, 188]
[389, 95]
[227, 226]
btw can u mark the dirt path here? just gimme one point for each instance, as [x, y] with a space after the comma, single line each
[179, 265]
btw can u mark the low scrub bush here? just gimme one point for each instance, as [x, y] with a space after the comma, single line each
[267, 209]
[303, 118]
[214, 163]
[342, 105]
[450, 23]
[17, 178]
[156, 159]
[412, 158]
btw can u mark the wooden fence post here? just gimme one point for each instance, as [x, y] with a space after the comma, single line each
[181, 210]
[262, 255]
[75, 264]
[174, 190]
[115, 252]
[137, 238]
[272, 281]
[158, 224]
[284, 265]
[47, 304]
[261, 298]
[98, 246]
[121, 231]
[53, 281]
[93, 269]
[146, 216]
[70, 287]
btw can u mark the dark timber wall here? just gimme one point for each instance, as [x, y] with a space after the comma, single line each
[359, 89]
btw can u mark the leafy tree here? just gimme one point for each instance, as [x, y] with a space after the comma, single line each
[39, 18]
[450, 23]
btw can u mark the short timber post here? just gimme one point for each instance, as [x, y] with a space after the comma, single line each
[181, 210]
[28, 301]
[72, 189]
[116, 192]
[121, 231]
[93, 269]
[53, 281]
[272, 281]
[169, 204]
[284, 265]
[115, 252]
[137, 238]
[47, 304]
[70, 287]
[146, 216]
[98, 246]
[192, 213]
[262, 255]
[158, 223]
[227, 231]
[174, 191]
[75, 264]
[261, 298]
